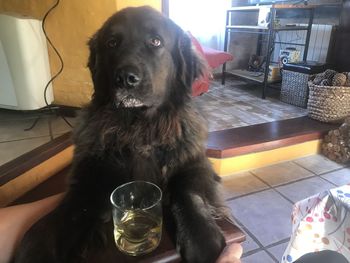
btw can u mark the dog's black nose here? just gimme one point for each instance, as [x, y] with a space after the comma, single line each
[132, 79]
[127, 77]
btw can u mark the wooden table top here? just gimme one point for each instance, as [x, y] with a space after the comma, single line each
[165, 253]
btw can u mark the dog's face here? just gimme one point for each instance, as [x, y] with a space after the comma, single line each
[141, 59]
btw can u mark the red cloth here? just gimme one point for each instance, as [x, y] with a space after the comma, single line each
[214, 59]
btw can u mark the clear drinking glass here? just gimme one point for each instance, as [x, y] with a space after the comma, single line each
[137, 217]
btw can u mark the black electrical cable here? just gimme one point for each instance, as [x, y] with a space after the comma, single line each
[58, 55]
[48, 106]
[54, 48]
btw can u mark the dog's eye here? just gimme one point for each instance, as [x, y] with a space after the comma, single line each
[112, 43]
[155, 42]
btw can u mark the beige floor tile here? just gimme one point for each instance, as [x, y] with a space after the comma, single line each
[281, 173]
[241, 183]
[259, 257]
[11, 130]
[339, 177]
[302, 189]
[15, 140]
[318, 164]
[15, 129]
[12, 150]
[266, 214]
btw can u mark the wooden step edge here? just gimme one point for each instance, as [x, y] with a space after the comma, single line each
[31, 159]
[251, 161]
[263, 146]
[265, 136]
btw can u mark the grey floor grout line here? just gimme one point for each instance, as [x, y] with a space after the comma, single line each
[324, 173]
[271, 255]
[31, 138]
[293, 161]
[285, 197]
[295, 181]
[330, 171]
[266, 248]
[247, 231]
[28, 138]
[261, 247]
[285, 240]
[257, 177]
[19, 118]
[288, 183]
[298, 180]
[251, 252]
[338, 169]
[329, 181]
[269, 187]
[250, 193]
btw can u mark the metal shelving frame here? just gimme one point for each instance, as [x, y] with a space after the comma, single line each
[270, 32]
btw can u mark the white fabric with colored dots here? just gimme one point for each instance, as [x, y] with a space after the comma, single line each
[321, 222]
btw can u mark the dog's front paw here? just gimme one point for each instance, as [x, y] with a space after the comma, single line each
[203, 248]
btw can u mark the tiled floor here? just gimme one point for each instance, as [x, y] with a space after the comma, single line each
[261, 201]
[239, 103]
[16, 140]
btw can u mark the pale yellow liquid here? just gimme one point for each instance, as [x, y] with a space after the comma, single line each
[138, 233]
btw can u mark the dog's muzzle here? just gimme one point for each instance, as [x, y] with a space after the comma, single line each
[129, 102]
[127, 80]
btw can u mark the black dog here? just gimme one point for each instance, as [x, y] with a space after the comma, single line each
[140, 125]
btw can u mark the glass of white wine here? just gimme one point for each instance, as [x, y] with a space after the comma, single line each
[137, 217]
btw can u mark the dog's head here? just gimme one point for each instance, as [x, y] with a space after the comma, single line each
[141, 59]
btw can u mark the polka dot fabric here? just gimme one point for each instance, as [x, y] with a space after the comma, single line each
[321, 222]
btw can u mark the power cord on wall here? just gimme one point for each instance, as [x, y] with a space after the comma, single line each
[54, 48]
[49, 106]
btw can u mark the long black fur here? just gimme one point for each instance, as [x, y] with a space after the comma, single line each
[162, 141]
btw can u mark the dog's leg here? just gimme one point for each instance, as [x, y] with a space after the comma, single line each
[64, 235]
[193, 196]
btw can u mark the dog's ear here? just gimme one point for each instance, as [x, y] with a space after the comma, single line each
[191, 65]
[93, 64]
[93, 57]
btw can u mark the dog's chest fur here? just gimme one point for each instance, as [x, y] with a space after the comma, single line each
[155, 145]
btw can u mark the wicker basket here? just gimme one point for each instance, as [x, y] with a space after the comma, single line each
[294, 88]
[328, 103]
